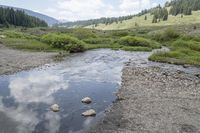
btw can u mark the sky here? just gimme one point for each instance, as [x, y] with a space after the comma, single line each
[72, 10]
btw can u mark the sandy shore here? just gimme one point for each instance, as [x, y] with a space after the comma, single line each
[154, 100]
[12, 61]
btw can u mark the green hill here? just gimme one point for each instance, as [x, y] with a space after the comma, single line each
[141, 22]
[176, 12]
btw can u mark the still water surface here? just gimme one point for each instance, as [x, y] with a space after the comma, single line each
[25, 97]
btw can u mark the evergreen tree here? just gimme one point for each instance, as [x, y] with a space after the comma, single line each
[154, 19]
[9, 16]
[165, 14]
[145, 18]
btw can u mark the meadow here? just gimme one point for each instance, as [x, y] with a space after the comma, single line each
[183, 44]
[139, 21]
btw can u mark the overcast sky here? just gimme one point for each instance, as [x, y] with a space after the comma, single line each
[83, 9]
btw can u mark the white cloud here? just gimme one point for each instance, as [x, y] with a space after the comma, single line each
[88, 9]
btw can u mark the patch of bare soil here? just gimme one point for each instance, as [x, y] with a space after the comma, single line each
[12, 61]
[154, 100]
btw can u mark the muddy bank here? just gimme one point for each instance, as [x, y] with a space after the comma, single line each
[154, 99]
[12, 61]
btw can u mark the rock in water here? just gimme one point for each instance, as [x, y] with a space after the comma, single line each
[55, 108]
[90, 112]
[86, 100]
[197, 75]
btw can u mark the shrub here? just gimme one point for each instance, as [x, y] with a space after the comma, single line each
[60, 40]
[167, 35]
[193, 45]
[138, 41]
[75, 48]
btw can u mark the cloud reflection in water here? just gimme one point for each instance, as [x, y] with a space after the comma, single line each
[33, 88]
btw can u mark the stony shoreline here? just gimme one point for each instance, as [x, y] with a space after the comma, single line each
[154, 99]
[12, 61]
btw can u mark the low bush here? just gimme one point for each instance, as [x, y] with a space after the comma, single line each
[138, 41]
[167, 35]
[61, 40]
[75, 48]
[180, 44]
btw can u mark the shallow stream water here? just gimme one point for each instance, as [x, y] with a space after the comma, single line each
[26, 97]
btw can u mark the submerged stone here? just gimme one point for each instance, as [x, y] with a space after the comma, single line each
[86, 100]
[88, 113]
[55, 108]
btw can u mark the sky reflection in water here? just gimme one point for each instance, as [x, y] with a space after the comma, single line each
[25, 97]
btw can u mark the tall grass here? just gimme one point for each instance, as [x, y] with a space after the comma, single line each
[183, 51]
[27, 44]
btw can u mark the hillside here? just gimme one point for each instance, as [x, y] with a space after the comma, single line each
[176, 12]
[141, 22]
[49, 20]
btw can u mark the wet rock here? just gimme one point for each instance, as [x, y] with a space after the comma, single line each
[55, 108]
[86, 100]
[186, 66]
[197, 75]
[88, 113]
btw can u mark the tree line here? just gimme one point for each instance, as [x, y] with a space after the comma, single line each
[95, 22]
[159, 14]
[9, 16]
[183, 6]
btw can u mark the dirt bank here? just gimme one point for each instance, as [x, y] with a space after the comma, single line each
[13, 60]
[154, 100]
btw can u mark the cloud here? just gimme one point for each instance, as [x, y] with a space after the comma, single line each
[88, 9]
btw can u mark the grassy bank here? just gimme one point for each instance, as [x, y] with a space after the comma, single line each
[185, 49]
[75, 40]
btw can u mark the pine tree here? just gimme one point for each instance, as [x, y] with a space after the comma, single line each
[165, 15]
[154, 19]
[145, 18]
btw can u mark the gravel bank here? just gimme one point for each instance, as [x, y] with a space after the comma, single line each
[12, 61]
[154, 100]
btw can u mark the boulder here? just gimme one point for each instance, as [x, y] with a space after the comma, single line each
[55, 108]
[88, 113]
[86, 100]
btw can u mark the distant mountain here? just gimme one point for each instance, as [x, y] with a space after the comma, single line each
[49, 20]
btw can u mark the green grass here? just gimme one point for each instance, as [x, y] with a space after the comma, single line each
[182, 52]
[98, 46]
[28, 44]
[140, 22]
[138, 42]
